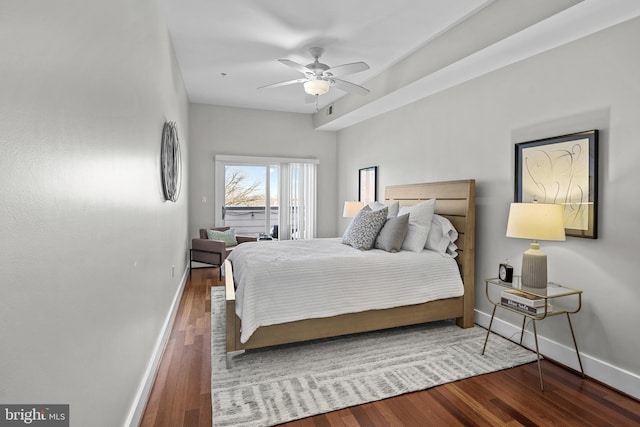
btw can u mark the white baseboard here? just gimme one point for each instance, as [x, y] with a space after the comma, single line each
[144, 390]
[613, 376]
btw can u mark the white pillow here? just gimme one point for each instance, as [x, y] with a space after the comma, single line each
[442, 236]
[393, 207]
[420, 217]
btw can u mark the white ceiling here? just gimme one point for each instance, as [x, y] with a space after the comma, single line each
[226, 50]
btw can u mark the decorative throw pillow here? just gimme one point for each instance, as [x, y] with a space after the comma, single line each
[364, 228]
[393, 233]
[420, 217]
[393, 207]
[442, 236]
[228, 237]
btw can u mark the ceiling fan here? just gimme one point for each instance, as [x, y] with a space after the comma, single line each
[319, 77]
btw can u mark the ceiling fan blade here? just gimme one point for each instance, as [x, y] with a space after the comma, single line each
[342, 70]
[350, 87]
[288, 82]
[303, 69]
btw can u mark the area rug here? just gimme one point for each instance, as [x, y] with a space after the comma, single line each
[271, 386]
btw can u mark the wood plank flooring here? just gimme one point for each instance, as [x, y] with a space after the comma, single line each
[181, 395]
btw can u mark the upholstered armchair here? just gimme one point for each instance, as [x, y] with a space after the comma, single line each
[213, 252]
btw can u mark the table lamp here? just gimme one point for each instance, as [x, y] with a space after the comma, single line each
[351, 209]
[535, 221]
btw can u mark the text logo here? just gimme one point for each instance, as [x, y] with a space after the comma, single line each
[34, 415]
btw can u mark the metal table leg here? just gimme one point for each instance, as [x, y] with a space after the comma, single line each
[535, 335]
[575, 344]
[489, 330]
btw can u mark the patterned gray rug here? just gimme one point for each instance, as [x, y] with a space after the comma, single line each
[268, 387]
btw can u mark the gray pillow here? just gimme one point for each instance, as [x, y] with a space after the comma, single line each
[393, 233]
[364, 228]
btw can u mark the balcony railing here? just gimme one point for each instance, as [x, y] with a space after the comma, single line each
[249, 219]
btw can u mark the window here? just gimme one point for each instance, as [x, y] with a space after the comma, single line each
[267, 195]
[250, 197]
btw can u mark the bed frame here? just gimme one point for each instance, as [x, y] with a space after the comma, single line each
[456, 201]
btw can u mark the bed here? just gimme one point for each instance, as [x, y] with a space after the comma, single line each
[455, 200]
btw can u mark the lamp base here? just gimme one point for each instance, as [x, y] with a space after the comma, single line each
[534, 267]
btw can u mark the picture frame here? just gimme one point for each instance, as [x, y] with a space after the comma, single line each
[368, 184]
[562, 170]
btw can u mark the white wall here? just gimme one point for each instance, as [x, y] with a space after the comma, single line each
[240, 131]
[87, 241]
[469, 131]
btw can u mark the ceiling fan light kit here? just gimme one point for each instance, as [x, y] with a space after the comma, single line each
[319, 77]
[317, 87]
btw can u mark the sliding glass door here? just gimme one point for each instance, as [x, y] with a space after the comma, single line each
[275, 196]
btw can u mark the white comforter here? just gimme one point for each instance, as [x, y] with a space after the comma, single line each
[284, 281]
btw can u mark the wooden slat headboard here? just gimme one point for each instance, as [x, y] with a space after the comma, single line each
[455, 200]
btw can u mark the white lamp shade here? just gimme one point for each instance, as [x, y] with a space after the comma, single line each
[317, 87]
[351, 209]
[536, 221]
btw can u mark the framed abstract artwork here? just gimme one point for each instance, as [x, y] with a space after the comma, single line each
[562, 170]
[170, 162]
[368, 184]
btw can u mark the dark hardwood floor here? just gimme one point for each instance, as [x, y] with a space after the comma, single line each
[181, 395]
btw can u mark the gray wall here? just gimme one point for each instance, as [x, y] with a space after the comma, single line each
[239, 131]
[87, 242]
[469, 131]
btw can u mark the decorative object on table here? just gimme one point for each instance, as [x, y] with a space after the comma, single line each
[278, 384]
[368, 184]
[171, 162]
[524, 302]
[523, 308]
[505, 272]
[351, 208]
[562, 170]
[264, 236]
[535, 221]
[523, 297]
